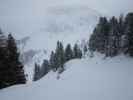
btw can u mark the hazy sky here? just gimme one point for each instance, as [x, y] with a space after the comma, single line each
[36, 7]
[16, 15]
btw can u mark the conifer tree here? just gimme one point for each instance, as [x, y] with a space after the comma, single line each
[3, 67]
[77, 52]
[15, 67]
[68, 53]
[129, 33]
[114, 38]
[45, 68]
[60, 55]
[121, 25]
[85, 49]
[36, 72]
[99, 39]
[1, 31]
[11, 69]
[52, 61]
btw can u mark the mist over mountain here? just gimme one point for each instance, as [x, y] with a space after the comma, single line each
[73, 49]
[65, 23]
[26, 17]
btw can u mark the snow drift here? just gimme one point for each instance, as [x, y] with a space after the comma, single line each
[87, 79]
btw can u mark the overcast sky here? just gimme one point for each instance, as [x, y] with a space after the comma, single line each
[13, 12]
[36, 7]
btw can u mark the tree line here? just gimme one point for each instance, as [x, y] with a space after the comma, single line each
[113, 36]
[57, 60]
[11, 69]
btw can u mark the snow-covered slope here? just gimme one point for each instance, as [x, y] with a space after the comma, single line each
[87, 79]
[69, 24]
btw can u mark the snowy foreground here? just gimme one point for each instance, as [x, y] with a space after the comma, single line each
[87, 79]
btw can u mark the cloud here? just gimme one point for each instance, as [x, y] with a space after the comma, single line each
[25, 16]
[36, 7]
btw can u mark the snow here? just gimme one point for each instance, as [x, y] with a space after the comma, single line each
[66, 23]
[86, 79]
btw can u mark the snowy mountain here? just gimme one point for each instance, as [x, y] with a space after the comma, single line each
[76, 72]
[66, 23]
[69, 24]
[69, 19]
[87, 79]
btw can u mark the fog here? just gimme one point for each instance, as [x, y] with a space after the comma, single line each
[25, 16]
[36, 7]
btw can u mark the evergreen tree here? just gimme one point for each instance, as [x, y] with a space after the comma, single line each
[85, 49]
[68, 53]
[114, 38]
[52, 61]
[15, 67]
[122, 36]
[93, 41]
[99, 39]
[40, 71]
[11, 69]
[1, 32]
[3, 67]
[77, 52]
[45, 68]
[57, 59]
[129, 33]
[36, 72]
[121, 25]
[60, 55]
